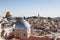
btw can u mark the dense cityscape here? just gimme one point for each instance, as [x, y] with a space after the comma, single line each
[29, 19]
[29, 28]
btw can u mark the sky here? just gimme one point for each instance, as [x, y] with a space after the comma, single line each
[20, 8]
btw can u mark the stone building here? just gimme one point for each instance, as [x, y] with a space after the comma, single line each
[22, 29]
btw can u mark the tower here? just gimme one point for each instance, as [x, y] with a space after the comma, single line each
[38, 16]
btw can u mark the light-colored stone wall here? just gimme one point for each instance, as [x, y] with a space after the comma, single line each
[21, 34]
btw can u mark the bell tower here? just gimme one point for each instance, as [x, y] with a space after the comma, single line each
[38, 16]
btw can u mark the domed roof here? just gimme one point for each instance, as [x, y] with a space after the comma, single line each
[8, 14]
[22, 24]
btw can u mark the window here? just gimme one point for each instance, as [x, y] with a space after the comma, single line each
[24, 34]
[17, 35]
[13, 29]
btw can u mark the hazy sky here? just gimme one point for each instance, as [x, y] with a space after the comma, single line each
[45, 8]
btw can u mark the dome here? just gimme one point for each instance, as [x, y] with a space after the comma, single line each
[22, 24]
[8, 14]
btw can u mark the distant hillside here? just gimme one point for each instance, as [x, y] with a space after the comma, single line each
[57, 18]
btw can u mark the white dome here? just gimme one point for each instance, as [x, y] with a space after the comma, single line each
[22, 24]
